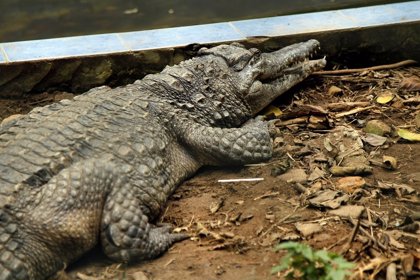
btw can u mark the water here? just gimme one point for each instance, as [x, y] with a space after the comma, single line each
[38, 19]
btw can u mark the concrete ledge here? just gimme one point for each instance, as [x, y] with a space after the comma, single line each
[376, 34]
[356, 18]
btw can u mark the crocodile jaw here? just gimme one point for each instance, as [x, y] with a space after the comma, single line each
[274, 73]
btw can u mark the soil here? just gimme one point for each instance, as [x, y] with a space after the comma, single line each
[235, 226]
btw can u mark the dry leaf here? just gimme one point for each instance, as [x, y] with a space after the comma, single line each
[333, 90]
[316, 174]
[328, 145]
[348, 211]
[296, 175]
[216, 205]
[307, 229]
[374, 139]
[411, 84]
[350, 184]
[401, 189]
[272, 111]
[408, 135]
[417, 119]
[385, 97]
[139, 275]
[328, 198]
[390, 162]
[85, 277]
[407, 263]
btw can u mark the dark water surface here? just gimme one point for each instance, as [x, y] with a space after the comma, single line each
[38, 19]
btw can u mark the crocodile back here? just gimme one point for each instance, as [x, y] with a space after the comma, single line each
[39, 145]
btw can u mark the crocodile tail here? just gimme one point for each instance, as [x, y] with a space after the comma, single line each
[12, 265]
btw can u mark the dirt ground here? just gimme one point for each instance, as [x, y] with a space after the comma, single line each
[368, 211]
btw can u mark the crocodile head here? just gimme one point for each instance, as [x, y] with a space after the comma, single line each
[262, 77]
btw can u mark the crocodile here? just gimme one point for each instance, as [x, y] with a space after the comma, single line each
[100, 168]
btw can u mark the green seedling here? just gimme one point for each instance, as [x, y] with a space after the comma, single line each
[302, 262]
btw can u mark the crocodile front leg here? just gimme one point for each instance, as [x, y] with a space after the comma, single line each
[127, 233]
[227, 146]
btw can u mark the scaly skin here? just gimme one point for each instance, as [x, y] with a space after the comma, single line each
[100, 168]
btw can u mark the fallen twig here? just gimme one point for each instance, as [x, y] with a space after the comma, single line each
[346, 105]
[354, 232]
[370, 221]
[353, 111]
[266, 195]
[373, 239]
[414, 100]
[391, 272]
[299, 120]
[373, 68]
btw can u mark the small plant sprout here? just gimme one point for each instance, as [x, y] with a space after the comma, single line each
[302, 262]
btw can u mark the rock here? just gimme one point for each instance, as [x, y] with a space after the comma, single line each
[377, 127]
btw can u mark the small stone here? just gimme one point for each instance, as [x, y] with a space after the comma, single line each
[377, 127]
